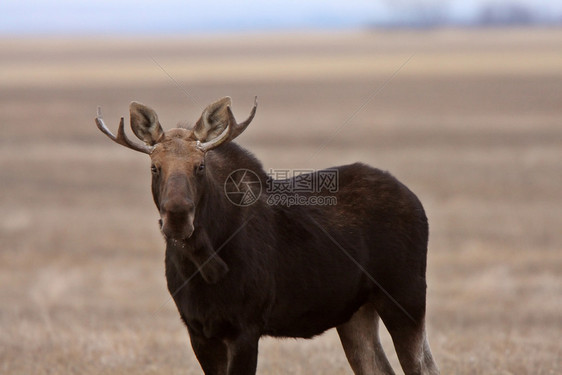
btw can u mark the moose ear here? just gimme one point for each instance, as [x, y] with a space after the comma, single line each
[213, 121]
[145, 124]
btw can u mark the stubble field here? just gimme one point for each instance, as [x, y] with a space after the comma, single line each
[470, 120]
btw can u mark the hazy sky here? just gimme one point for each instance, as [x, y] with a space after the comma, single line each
[175, 16]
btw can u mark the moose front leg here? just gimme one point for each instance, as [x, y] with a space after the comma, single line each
[211, 353]
[235, 355]
[243, 354]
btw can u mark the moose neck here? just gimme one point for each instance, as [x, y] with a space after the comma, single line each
[215, 212]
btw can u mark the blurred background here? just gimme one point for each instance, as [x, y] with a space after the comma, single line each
[460, 100]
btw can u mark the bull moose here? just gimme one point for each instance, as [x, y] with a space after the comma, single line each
[238, 272]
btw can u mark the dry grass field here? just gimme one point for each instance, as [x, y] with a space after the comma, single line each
[470, 120]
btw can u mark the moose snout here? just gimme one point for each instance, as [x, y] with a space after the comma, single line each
[177, 216]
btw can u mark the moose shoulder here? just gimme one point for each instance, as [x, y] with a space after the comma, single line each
[241, 271]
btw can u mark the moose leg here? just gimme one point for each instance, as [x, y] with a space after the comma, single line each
[409, 338]
[243, 354]
[211, 354]
[361, 343]
[413, 352]
[428, 362]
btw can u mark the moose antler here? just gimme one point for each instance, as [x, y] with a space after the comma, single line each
[232, 131]
[121, 138]
[239, 128]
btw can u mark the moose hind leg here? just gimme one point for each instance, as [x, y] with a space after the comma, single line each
[414, 354]
[429, 364]
[361, 343]
[409, 338]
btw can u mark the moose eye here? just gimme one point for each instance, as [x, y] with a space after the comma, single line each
[201, 167]
[154, 169]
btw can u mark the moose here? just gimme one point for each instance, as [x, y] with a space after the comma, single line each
[237, 272]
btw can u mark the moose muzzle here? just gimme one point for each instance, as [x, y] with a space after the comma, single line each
[177, 220]
[177, 212]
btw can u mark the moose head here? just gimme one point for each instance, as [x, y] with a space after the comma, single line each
[178, 158]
